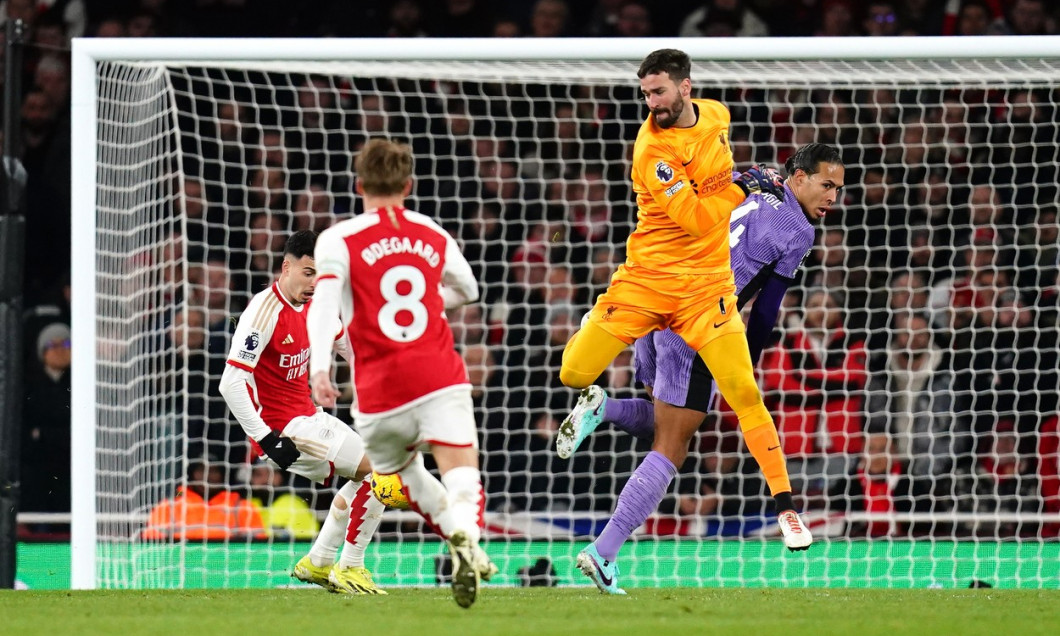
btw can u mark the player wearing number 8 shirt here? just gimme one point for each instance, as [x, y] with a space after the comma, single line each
[265, 384]
[389, 275]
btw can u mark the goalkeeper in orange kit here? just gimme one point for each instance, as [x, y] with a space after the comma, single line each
[677, 274]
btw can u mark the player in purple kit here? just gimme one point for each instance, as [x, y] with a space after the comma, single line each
[769, 238]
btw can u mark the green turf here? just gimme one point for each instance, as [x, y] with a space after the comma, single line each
[534, 612]
[662, 563]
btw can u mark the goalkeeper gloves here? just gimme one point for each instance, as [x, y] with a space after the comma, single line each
[279, 449]
[761, 178]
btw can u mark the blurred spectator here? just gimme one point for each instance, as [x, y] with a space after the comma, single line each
[500, 398]
[880, 19]
[953, 301]
[878, 484]
[482, 234]
[730, 489]
[143, 24]
[467, 324]
[1022, 149]
[605, 262]
[111, 27]
[604, 18]
[45, 455]
[463, 18]
[1005, 482]
[45, 154]
[836, 19]
[55, 308]
[49, 33]
[193, 207]
[406, 20]
[1007, 359]
[549, 19]
[921, 17]
[205, 509]
[634, 20]
[973, 18]
[834, 265]
[917, 396]
[266, 240]
[728, 17]
[212, 290]
[185, 339]
[523, 309]
[507, 29]
[1038, 253]
[313, 210]
[813, 383]
[560, 145]
[906, 292]
[373, 114]
[586, 220]
[283, 513]
[25, 10]
[1023, 17]
[963, 128]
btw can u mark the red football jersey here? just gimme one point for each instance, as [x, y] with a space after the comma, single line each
[391, 264]
[271, 343]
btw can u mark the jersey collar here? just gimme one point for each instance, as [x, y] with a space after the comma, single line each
[283, 299]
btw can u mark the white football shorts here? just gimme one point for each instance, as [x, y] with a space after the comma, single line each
[328, 447]
[393, 439]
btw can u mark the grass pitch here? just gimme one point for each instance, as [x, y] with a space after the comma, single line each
[534, 612]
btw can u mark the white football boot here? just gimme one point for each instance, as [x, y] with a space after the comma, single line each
[796, 535]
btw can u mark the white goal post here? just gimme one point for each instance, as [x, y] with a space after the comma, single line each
[129, 141]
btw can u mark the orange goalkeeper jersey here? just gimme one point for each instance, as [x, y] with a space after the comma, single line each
[683, 181]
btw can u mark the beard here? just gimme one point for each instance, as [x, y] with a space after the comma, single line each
[667, 117]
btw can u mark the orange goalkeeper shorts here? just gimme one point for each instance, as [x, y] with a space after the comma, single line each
[697, 307]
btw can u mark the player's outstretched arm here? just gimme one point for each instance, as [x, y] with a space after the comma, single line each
[233, 387]
[459, 286]
[696, 212]
[764, 315]
[252, 336]
[323, 315]
[333, 260]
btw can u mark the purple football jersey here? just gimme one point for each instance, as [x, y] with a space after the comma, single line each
[765, 232]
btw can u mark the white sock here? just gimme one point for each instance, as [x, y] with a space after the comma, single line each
[427, 496]
[365, 514]
[463, 486]
[326, 545]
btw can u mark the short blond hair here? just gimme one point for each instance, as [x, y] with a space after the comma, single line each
[384, 167]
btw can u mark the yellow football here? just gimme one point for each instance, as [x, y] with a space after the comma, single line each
[388, 490]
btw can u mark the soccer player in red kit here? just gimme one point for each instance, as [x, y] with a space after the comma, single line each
[266, 386]
[389, 275]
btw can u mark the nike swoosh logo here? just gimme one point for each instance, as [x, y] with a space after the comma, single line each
[718, 324]
[685, 163]
[603, 577]
[774, 448]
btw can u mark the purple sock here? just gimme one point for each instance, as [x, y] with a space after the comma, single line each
[640, 497]
[635, 416]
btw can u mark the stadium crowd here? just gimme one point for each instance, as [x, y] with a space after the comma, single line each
[916, 369]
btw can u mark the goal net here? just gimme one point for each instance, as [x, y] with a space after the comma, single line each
[912, 375]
